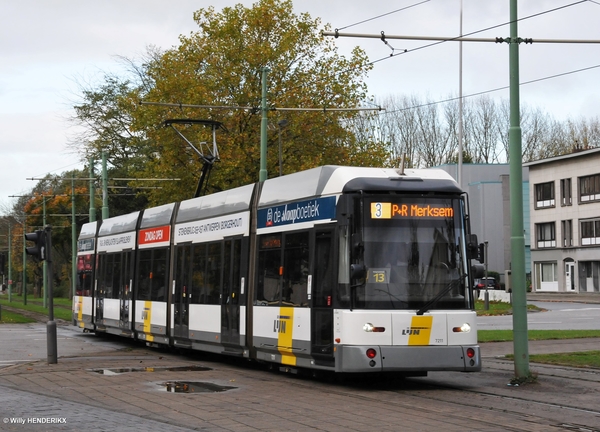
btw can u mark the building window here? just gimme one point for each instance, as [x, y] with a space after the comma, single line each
[548, 272]
[567, 233]
[565, 192]
[544, 195]
[545, 276]
[546, 235]
[590, 232]
[589, 188]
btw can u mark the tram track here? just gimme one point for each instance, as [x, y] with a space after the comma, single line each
[480, 401]
[483, 409]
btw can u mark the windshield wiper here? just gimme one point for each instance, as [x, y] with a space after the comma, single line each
[437, 298]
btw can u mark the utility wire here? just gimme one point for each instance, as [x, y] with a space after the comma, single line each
[490, 91]
[478, 31]
[382, 15]
[439, 42]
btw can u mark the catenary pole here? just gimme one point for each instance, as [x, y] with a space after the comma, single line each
[517, 238]
[44, 264]
[92, 192]
[24, 284]
[262, 176]
[73, 240]
[10, 262]
[104, 187]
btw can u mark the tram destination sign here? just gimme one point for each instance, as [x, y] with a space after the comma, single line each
[85, 245]
[386, 210]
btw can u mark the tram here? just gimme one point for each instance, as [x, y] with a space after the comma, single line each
[341, 269]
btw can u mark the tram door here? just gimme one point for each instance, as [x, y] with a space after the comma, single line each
[182, 292]
[230, 297]
[99, 299]
[124, 287]
[322, 298]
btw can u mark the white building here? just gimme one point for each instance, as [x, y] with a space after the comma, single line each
[565, 222]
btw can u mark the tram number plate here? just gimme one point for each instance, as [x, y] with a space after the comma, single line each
[378, 275]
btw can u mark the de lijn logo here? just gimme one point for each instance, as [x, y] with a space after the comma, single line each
[297, 212]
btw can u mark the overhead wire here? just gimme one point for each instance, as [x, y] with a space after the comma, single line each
[478, 31]
[464, 35]
[382, 15]
[488, 91]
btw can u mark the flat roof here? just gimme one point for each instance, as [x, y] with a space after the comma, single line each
[563, 157]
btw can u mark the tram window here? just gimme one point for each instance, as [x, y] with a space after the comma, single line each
[116, 276]
[226, 272]
[84, 275]
[102, 274]
[283, 272]
[159, 275]
[295, 270]
[144, 275]
[182, 269]
[269, 263]
[126, 275]
[152, 274]
[198, 268]
[213, 273]
[236, 270]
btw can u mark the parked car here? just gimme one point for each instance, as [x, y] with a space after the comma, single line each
[491, 283]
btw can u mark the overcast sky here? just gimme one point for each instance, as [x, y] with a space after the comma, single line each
[46, 45]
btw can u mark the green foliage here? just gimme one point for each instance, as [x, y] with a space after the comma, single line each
[220, 65]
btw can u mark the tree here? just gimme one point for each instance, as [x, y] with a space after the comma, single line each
[220, 65]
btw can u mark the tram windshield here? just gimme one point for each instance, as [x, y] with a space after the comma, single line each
[414, 254]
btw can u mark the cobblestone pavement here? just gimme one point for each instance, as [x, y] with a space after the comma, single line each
[27, 412]
[106, 384]
[110, 384]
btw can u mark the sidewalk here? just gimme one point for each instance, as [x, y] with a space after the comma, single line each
[586, 297]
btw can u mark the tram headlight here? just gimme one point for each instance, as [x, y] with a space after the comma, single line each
[465, 328]
[370, 328]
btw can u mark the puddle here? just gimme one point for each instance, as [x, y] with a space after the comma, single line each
[118, 371]
[194, 387]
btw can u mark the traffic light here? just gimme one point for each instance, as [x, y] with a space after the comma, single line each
[39, 250]
[481, 253]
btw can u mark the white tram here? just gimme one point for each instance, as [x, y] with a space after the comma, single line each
[342, 269]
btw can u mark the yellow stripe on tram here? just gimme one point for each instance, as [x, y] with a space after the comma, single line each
[147, 317]
[80, 312]
[420, 330]
[284, 325]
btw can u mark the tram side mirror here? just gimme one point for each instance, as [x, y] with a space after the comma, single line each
[472, 247]
[357, 243]
[357, 271]
[478, 271]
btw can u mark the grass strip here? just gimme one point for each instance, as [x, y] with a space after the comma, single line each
[13, 318]
[35, 306]
[533, 335]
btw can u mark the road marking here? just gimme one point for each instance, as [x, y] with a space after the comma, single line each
[546, 322]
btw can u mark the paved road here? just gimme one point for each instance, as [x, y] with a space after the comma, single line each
[555, 316]
[134, 396]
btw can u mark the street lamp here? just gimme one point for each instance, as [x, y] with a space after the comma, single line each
[281, 124]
